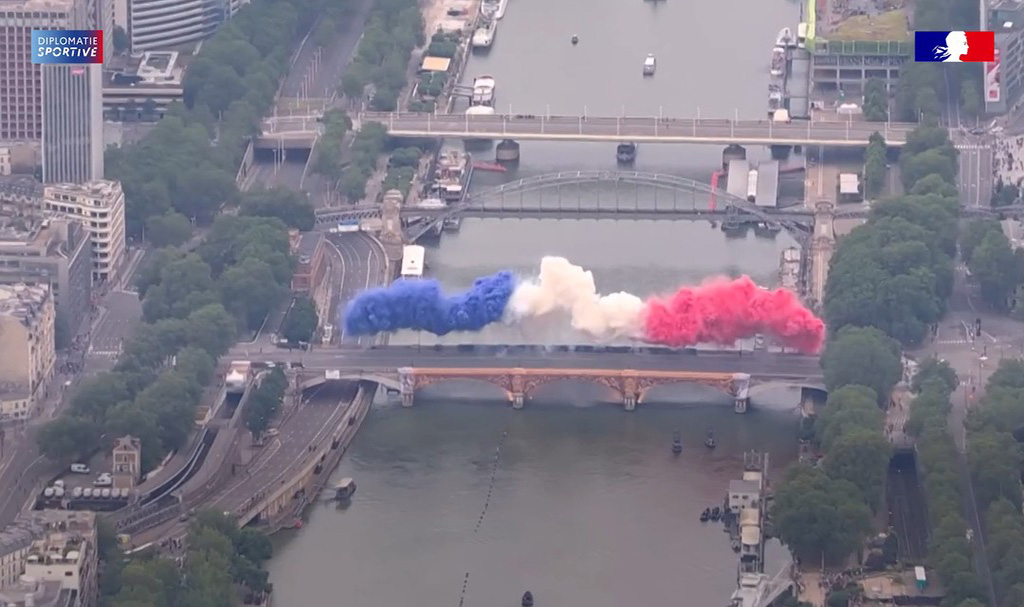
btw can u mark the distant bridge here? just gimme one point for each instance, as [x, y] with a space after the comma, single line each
[627, 129]
[685, 199]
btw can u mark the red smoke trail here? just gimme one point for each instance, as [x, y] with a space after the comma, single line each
[724, 311]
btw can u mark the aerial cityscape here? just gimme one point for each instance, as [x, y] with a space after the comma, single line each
[476, 302]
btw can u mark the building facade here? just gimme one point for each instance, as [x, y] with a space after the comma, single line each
[161, 24]
[1004, 77]
[49, 558]
[99, 205]
[27, 348]
[127, 456]
[848, 65]
[21, 83]
[52, 252]
[72, 142]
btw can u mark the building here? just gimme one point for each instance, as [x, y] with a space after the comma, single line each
[53, 252]
[854, 47]
[142, 87]
[99, 205]
[743, 494]
[72, 136]
[162, 24]
[49, 557]
[1004, 76]
[127, 462]
[308, 251]
[27, 348]
[24, 91]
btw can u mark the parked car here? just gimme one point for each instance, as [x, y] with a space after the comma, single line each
[80, 468]
[104, 480]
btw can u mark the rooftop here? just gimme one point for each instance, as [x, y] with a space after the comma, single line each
[152, 68]
[35, 525]
[36, 5]
[30, 592]
[885, 27]
[99, 188]
[738, 486]
[21, 300]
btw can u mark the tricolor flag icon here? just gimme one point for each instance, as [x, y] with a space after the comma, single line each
[954, 47]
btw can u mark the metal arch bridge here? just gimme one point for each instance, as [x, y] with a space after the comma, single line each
[798, 222]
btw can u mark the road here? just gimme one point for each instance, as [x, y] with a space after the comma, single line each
[975, 179]
[629, 129]
[361, 263]
[353, 360]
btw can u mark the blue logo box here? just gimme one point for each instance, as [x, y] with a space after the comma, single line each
[63, 47]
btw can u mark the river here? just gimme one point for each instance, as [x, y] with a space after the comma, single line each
[462, 501]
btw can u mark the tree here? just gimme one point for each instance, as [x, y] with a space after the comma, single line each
[995, 461]
[847, 409]
[96, 394]
[301, 322]
[68, 439]
[865, 357]
[861, 457]
[996, 269]
[172, 399]
[212, 329]
[934, 369]
[121, 40]
[324, 33]
[185, 285]
[875, 166]
[195, 364]
[817, 517]
[293, 208]
[168, 230]
[250, 291]
[876, 101]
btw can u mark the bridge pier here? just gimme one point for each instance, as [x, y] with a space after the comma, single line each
[518, 400]
[741, 392]
[507, 150]
[629, 402]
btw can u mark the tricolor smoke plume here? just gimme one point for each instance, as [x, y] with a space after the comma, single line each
[720, 311]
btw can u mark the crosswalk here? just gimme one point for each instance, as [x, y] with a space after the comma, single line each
[104, 353]
[953, 342]
[970, 146]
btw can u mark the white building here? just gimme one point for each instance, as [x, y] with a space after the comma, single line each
[743, 494]
[49, 558]
[27, 348]
[99, 205]
[162, 24]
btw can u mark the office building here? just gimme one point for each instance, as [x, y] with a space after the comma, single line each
[71, 96]
[27, 348]
[162, 24]
[1002, 85]
[49, 251]
[49, 558]
[99, 205]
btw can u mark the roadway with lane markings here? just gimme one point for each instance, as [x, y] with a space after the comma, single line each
[354, 361]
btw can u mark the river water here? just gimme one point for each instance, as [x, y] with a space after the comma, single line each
[463, 501]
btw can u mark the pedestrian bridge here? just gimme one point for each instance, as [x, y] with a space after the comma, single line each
[626, 129]
[560, 196]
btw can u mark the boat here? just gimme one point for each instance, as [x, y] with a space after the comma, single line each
[489, 9]
[709, 442]
[734, 227]
[677, 443]
[716, 513]
[650, 64]
[785, 38]
[527, 599]
[451, 224]
[454, 169]
[706, 515]
[767, 228]
[483, 91]
[774, 100]
[575, 40]
[344, 489]
[500, 12]
[483, 37]
[778, 65]
[625, 152]
[479, 165]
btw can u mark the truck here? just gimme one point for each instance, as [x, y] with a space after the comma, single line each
[238, 376]
[922, 580]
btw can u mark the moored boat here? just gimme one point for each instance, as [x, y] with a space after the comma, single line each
[625, 152]
[483, 91]
[785, 38]
[650, 65]
[778, 64]
[484, 35]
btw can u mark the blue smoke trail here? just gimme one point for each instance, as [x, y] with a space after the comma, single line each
[420, 305]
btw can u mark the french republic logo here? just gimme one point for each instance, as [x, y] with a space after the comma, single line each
[62, 47]
[954, 47]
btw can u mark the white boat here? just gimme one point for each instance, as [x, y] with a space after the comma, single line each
[483, 37]
[650, 64]
[500, 12]
[778, 65]
[483, 91]
[785, 38]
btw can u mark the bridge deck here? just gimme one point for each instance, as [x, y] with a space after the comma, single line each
[637, 129]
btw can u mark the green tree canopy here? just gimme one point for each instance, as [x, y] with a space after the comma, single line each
[864, 357]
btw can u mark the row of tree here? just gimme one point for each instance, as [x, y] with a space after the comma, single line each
[876, 165]
[938, 461]
[193, 305]
[995, 267]
[995, 458]
[301, 322]
[394, 29]
[896, 271]
[221, 561]
[888, 282]
[328, 161]
[923, 86]
[823, 512]
[265, 402]
[369, 144]
[184, 169]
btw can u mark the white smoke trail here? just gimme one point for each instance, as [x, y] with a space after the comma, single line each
[564, 287]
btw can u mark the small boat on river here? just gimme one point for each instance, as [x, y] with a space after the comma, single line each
[677, 443]
[527, 599]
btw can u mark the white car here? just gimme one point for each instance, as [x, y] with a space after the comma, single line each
[103, 480]
[80, 468]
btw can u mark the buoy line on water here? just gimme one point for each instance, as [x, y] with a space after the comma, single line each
[487, 503]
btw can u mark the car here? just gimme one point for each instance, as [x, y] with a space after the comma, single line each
[272, 432]
[79, 468]
[103, 480]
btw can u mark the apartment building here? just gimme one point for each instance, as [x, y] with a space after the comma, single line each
[99, 205]
[27, 348]
[71, 96]
[49, 558]
[49, 251]
[163, 24]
